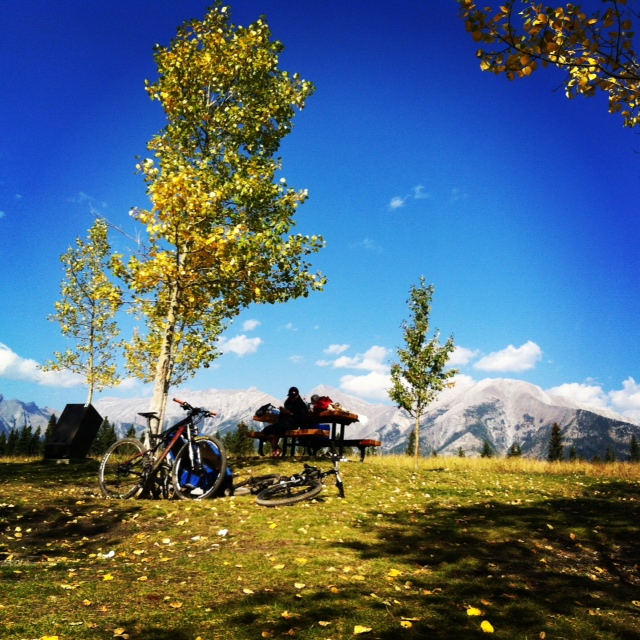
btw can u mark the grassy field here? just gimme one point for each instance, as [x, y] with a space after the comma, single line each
[460, 548]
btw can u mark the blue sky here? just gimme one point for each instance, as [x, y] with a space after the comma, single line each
[520, 206]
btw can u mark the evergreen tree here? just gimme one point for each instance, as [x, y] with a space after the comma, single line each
[24, 440]
[461, 453]
[51, 425]
[609, 455]
[573, 454]
[3, 443]
[131, 432]
[237, 443]
[556, 449]
[487, 450]
[634, 449]
[37, 443]
[515, 451]
[12, 442]
[411, 443]
[105, 437]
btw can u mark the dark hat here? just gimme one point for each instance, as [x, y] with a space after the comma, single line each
[293, 390]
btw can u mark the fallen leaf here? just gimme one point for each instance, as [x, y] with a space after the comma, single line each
[299, 585]
[176, 605]
[635, 603]
[394, 572]
[405, 624]
[107, 576]
[323, 623]
[472, 611]
[278, 566]
[358, 629]
[486, 626]
[247, 591]
[118, 632]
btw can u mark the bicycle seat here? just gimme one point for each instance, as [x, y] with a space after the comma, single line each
[149, 414]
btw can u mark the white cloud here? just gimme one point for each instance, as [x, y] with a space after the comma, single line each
[367, 245]
[336, 349]
[13, 367]
[290, 326]
[240, 345]
[372, 385]
[372, 360]
[627, 400]
[419, 193]
[250, 325]
[462, 356]
[582, 394]
[511, 359]
[296, 359]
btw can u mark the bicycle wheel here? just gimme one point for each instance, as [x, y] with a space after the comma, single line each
[252, 485]
[284, 494]
[193, 482]
[120, 474]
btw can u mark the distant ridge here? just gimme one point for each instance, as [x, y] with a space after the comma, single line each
[501, 411]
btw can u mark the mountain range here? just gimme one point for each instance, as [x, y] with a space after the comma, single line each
[502, 411]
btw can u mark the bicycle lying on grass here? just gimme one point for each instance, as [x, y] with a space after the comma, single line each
[274, 491]
[179, 463]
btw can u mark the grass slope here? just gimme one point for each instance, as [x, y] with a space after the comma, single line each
[459, 548]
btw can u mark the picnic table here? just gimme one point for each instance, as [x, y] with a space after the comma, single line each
[314, 438]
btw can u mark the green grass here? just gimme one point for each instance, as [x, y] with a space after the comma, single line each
[541, 550]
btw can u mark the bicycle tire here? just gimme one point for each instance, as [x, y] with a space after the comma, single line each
[284, 494]
[121, 469]
[253, 485]
[199, 484]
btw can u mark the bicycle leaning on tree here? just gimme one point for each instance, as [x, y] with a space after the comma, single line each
[179, 463]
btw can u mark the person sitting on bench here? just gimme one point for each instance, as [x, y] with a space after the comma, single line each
[293, 415]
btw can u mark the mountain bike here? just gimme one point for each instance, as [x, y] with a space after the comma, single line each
[300, 486]
[179, 463]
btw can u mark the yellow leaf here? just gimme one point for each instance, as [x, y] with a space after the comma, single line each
[472, 611]
[118, 632]
[358, 629]
[143, 579]
[486, 626]
[247, 591]
[323, 623]
[550, 526]
[394, 572]
[405, 624]
[87, 603]
[635, 603]
[49, 638]
[278, 566]
[107, 576]
[176, 605]
[273, 525]
[301, 560]
[299, 585]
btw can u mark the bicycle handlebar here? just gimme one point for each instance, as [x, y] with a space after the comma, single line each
[195, 410]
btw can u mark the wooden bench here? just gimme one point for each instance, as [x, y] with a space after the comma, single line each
[314, 440]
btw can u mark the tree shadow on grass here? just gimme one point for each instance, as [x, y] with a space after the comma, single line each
[537, 566]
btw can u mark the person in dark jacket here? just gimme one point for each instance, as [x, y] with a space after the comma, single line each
[293, 415]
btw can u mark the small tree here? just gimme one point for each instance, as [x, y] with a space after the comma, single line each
[487, 450]
[3, 443]
[421, 373]
[634, 449]
[609, 455]
[573, 453]
[86, 312]
[461, 452]
[411, 443]
[237, 443]
[556, 449]
[515, 451]
[131, 432]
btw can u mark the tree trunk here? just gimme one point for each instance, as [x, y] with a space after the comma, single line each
[162, 380]
[417, 450]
